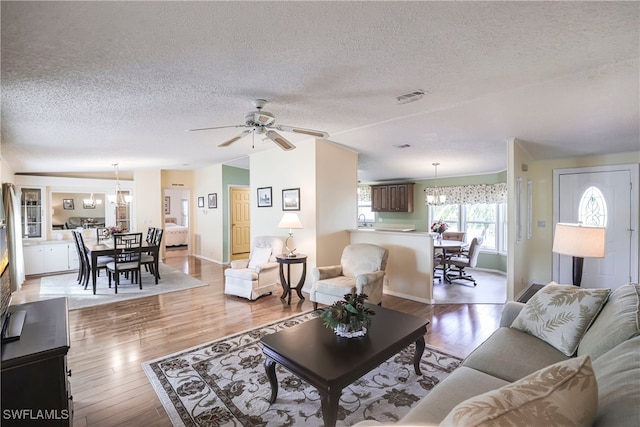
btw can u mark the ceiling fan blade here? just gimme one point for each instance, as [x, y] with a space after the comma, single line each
[217, 127]
[280, 141]
[312, 132]
[235, 138]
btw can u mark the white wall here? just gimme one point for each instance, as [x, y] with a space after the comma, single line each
[207, 230]
[327, 177]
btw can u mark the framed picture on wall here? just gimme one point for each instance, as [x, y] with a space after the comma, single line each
[291, 199]
[264, 197]
[167, 205]
[67, 204]
[213, 200]
[201, 202]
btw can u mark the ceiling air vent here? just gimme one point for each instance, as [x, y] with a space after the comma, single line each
[416, 95]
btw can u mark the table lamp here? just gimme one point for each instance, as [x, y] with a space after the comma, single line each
[290, 221]
[580, 242]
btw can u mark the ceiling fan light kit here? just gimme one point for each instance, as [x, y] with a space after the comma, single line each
[261, 122]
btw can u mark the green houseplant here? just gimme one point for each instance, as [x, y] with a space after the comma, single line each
[349, 317]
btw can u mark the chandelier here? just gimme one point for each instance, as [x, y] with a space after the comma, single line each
[119, 198]
[91, 202]
[436, 198]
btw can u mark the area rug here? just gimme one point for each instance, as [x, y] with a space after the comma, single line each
[66, 285]
[223, 383]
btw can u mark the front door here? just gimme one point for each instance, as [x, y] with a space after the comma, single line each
[240, 223]
[606, 196]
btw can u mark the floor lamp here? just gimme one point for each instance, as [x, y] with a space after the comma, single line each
[580, 242]
[290, 221]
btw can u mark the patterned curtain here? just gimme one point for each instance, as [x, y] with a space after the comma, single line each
[471, 194]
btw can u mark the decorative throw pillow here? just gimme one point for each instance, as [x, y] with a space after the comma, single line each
[618, 321]
[561, 314]
[259, 256]
[562, 394]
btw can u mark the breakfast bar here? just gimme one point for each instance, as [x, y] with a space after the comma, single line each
[410, 264]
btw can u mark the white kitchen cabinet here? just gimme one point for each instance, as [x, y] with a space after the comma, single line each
[42, 258]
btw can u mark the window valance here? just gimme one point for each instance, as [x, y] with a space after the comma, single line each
[471, 194]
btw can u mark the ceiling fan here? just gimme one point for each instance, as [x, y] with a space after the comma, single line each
[262, 122]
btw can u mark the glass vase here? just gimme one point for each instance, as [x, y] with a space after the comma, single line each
[355, 328]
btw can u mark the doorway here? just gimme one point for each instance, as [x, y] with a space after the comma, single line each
[608, 195]
[240, 227]
[176, 236]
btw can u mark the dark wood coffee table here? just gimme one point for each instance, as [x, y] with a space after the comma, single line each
[330, 363]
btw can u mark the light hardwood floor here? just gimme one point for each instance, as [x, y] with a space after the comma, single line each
[109, 342]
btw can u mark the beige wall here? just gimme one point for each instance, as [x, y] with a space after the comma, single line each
[148, 206]
[539, 264]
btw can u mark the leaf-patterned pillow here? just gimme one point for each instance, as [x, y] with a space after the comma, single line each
[562, 394]
[561, 314]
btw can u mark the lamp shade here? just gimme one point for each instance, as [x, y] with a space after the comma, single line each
[579, 241]
[290, 220]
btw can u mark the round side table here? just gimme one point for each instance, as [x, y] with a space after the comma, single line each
[286, 283]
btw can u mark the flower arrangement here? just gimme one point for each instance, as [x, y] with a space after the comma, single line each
[439, 227]
[349, 317]
[114, 230]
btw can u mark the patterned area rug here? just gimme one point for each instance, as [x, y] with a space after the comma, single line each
[223, 383]
[66, 285]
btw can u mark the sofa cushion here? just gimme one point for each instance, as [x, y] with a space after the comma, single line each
[618, 321]
[510, 354]
[561, 314]
[565, 393]
[461, 384]
[336, 286]
[618, 376]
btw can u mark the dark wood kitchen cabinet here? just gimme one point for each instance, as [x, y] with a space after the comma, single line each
[392, 197]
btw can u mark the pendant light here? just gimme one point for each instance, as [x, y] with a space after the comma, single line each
[436, 198]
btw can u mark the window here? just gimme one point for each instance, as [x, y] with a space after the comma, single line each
[487, 220]
[593, 208]
[364, 204]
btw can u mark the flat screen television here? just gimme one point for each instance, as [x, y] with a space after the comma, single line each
[12, 321]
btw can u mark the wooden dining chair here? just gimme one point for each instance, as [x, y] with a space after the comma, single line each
[148, 259]
[102, 234]
[126, 258]
[101, 263]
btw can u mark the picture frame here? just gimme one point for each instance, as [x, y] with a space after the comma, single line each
[291, 199]
[67, 204]
[213, 200]
[90, 205]
[264, 197]
[201, 202]
[167, 205]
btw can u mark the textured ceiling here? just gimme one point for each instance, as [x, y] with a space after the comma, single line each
[88, 84]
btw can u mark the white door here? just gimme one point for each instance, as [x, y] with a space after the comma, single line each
[607, 196]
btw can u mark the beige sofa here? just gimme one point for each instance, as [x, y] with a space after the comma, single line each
[516, 377]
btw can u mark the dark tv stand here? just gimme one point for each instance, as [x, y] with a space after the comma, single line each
[13, 325]
[34, 373]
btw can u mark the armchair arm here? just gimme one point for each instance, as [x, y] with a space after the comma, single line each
[321, 273]
[509, 313]
[240, 263]
[266, 267]
[363, 280]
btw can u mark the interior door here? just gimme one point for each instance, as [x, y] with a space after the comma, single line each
[240, 222]
[606, 194]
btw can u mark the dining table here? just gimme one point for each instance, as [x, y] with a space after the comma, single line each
[448, 246]
[96, 249]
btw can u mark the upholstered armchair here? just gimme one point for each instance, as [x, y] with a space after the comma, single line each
[257, 275]
[361, 269]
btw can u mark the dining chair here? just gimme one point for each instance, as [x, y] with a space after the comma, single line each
[81, 265]
[148, 259]
[458, 264]
[151, 231]
[126, 258]
[101, 263]
[102, 233]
